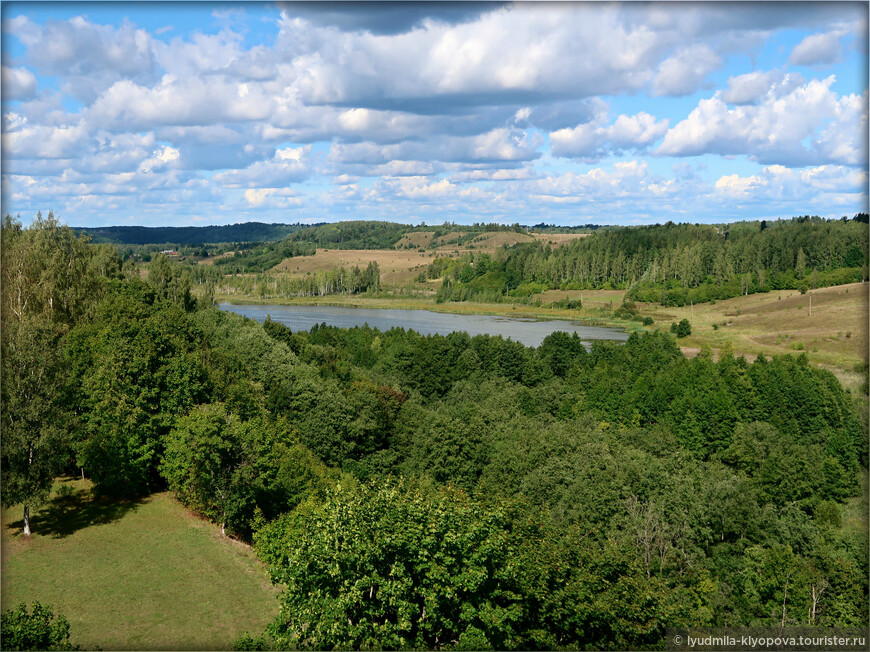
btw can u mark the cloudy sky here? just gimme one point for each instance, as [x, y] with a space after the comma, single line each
[215, 113]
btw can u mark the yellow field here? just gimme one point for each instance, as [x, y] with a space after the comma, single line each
[397, 266]
[416, 239]
[558, 239]
[210, 260]
[493, 241]
[833, 336]
[403, 263]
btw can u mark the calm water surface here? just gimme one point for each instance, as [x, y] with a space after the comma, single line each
[527, 331]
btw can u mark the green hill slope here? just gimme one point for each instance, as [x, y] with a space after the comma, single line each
[143, 575]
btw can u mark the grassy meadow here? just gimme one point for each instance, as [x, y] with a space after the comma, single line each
[136, 574]
[834, 336]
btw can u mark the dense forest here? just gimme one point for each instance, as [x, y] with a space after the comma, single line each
[412, 491]
[353, 234]
[673, 264]
[191, 235]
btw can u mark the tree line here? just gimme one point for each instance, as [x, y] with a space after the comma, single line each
[673, 264]
[321, 283]
[414, 491]
[191, 235]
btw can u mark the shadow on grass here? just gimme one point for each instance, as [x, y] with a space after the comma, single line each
[74, 510]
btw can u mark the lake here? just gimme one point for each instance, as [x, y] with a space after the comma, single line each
[527, 331]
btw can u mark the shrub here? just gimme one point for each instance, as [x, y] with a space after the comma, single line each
[682, 329]
[626, 311]
[567, 304]
[647, 321]
[38, 629]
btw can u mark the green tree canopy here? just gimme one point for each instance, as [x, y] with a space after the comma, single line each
[37, 629]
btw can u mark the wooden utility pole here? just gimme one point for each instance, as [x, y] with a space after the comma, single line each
[811, 305]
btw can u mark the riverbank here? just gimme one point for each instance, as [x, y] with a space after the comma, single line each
[527, 331]
[833, 335]
[595, 316]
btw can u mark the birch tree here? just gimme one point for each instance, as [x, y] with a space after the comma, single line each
[46, 288]
[35, 441]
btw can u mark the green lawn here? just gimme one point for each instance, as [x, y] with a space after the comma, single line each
[146, 574]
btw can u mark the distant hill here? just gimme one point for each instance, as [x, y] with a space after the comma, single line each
[192, 235]
[353, 234]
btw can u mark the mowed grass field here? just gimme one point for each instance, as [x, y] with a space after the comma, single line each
[834, 336]
[143, 574]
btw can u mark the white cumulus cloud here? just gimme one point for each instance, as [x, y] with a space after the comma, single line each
[160, 158]
[288, 165]
[274, 197]
[18, 83]
[774, 131]
[817, 49]
[597, 138]
[683, 73]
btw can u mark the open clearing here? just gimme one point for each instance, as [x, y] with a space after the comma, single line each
[499, 239]
[772, 323]
[143, 574]
[401, 265]
[411, 254]
[397, 266]
[558, 239]
[415, 239]
[835, 335]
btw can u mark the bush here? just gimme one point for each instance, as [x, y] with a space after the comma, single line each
[248, 642]
[682, 329]
[567, 304]
[647, 321]
[627, 310]
[528, 289]
[39, 629]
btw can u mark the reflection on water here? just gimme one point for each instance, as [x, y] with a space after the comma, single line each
[527, 331]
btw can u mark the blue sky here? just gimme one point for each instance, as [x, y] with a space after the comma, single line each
[567, 113]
